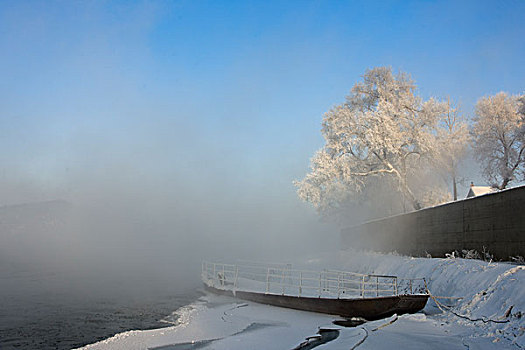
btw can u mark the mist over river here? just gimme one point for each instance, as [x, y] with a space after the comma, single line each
[69, 308]
[74, 274]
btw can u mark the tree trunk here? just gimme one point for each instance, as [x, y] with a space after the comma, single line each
[402, 181]
[415, 202]
[455, 188]
[408, 192]
[504, 183]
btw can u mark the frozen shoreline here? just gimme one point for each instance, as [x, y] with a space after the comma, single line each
[487, 290]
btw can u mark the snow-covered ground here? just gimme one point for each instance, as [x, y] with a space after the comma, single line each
[487, 292]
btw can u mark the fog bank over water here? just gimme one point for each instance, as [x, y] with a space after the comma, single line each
[141, 226]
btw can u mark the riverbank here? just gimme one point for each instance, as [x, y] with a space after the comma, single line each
[483, 294]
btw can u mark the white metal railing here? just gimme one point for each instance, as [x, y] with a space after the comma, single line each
[282, 279]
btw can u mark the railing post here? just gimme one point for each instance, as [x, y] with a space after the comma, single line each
[267, 280]
[282, 281]
[236, 277]
[396, 286]
[338, 285]
[410, 284]
[300, 282]
[363, 286]
[214, 275]
[320, 283]
[377, 286]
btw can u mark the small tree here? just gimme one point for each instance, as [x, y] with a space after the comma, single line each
[383, 130]
[499, 137]
[453, 138]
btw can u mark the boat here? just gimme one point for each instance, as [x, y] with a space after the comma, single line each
[341, 293]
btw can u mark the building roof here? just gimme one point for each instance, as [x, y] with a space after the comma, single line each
[479, 190]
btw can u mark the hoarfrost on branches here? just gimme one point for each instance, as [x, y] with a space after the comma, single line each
[499, 137]
[453, 138]
[383, 130]
[435, 196]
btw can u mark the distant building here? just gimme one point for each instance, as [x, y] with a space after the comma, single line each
[479, 190]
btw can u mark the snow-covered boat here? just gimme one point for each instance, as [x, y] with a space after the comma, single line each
[341, 293]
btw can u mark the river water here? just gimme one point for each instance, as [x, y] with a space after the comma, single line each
[42, 309]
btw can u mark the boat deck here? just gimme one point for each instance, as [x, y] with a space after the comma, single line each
[342, 293]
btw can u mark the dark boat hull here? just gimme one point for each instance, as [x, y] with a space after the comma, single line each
[367, 308]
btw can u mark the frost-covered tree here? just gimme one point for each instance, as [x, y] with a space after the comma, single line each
[453, 139]
[382, 131]
[499, 137]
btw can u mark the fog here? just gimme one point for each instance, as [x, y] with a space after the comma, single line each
[171, 132]
[164, 154]
[134, 223]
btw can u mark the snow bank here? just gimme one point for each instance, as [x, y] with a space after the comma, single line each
[487, 291]
[214, 318]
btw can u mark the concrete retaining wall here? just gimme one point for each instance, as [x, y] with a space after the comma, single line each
[495, 222]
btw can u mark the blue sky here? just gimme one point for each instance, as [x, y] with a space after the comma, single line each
[218, 99]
